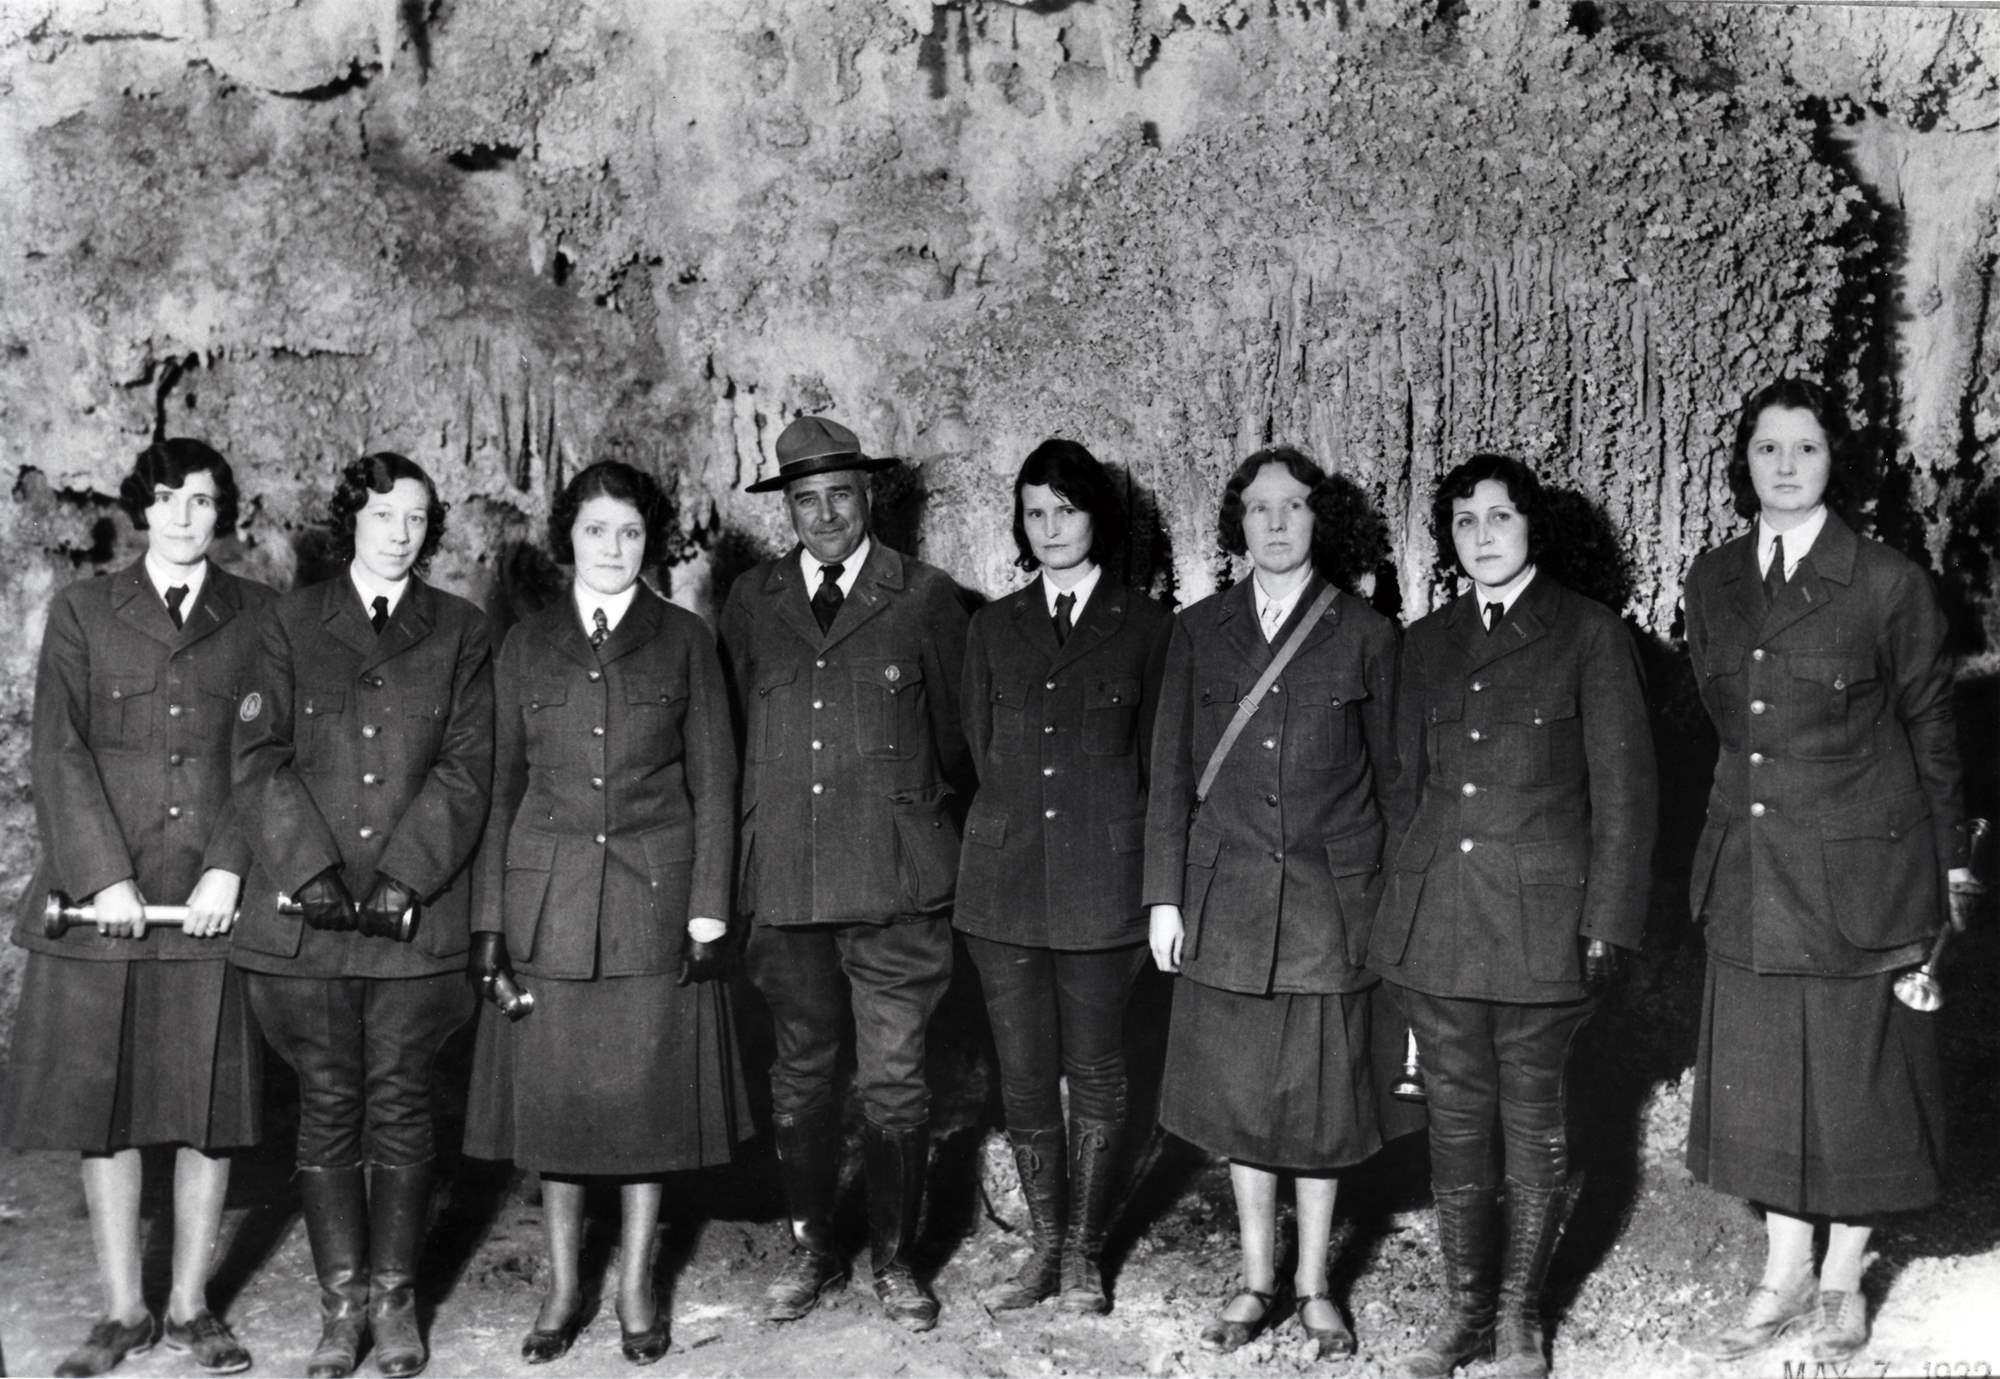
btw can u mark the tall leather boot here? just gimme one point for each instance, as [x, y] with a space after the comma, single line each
[1468, 1237]
[1535, 1220]
[1042, 1158]
[336, 1211]
[809, 1161]
[1093, 1163]
[896, 1161]
[398, 1199]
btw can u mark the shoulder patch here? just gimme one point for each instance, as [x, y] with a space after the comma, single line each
[253, 704]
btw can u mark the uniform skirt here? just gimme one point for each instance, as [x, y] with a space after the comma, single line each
[1278, 1081]
[112, 1055]
[619, 1076]
[1817, 1096]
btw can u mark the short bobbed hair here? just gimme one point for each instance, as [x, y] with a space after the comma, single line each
[1524, 491]
[1803, 395]
[609, 479]
[167, 464]
[1080, 480]
[379, 473]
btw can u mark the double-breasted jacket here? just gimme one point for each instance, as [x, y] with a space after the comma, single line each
[614, 792]
[369, 753]
[853, 744]
[1527, 804]
[1286, 852]
[1836, 809]
[131, 751]
[1055, 840]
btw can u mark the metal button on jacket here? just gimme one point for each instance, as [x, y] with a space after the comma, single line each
[369, 730]
[1757, 810]
[364, 833]
[1465, 845]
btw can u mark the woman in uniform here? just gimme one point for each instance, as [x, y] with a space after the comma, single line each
[127, 1037]
[1834, 822]
[1525, 812]
[1048, 883]
[604, 883]
[1262, 887]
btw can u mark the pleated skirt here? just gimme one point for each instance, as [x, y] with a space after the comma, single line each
[1818, 1096]
[112, 1055]
[615, 1076]
[1279, 1081]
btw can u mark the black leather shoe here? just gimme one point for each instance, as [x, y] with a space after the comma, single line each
[208, 1339]
[1224, 1334]
[542, 1345]
[1332, 1341]
[109, 1342]
[644, 1347]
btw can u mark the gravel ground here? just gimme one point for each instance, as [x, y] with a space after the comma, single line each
[1652, 1262]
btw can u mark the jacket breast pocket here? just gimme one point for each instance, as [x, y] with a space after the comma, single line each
[121, 711]
[655, 711]
[1882, 872]
[424, 718]
[1544, 737]
[1835, 703]
[1204, 850]
[1552, 879]
[1008, 716]
[319, 725]
[542, 710]
[1725, 691]
[888, 708]
[531, 860]
[1217, 705]
[1327, 714]
[1445, 733]
[771, 707]
[1110, 717]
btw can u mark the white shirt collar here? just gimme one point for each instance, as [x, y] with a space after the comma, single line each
[1507, 593]
[1798, 541]
[371, 588]
[850, 568]
[1082, 589]
[1283, 604]
[588, 601]
[165, 577]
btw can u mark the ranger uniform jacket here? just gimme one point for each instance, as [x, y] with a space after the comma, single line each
[853, 746]
[614, 792]
[1836, 809]
[367, 753]
[1291, 835]
[131, 751]
[1055, 842]
[1528, 800]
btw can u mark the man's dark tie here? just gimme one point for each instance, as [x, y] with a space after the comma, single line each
[600, 627]
[826, 602]
[175, 597]
[380, 617]
[1774, 577]
[1064, 603]
[1493, 614]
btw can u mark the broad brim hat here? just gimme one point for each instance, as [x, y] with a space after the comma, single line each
[815, 445]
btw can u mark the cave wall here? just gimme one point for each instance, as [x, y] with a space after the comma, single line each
[511, 238]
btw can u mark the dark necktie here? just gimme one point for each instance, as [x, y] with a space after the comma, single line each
[1064, 603]
[600, 627]
[380, 617]
[826, 602]
[1774, 577]
[1493, 614]
[175, 597]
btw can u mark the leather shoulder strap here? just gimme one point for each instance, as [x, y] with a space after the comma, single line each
[1246, 708]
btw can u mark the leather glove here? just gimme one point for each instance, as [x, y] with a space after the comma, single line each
[325, 904]
[703, 962]
[1602, 964]
[382, 913]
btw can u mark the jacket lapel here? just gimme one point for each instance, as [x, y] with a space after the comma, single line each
[220, 600]
[561, 630]
[1236, 620]
[138, 604]
[1032, 623]
[1102, 617]
[1526, 623]
[1743, 591]
[785, 591]
[1830, 559]
[639, 626]
[881, 575]
[414, 617]
[344, 618]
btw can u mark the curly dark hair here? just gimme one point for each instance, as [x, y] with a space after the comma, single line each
[610, 479]
[1524, 491]
[167, 464]
[378, 473]
[1802, 395]
[1080, 480]
[1349, 538]
[1569, 538]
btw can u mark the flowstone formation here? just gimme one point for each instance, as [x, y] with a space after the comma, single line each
[511, 239]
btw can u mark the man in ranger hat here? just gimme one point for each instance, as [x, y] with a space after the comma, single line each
[844, 659]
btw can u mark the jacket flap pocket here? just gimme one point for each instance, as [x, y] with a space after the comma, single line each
[528, 851]
[1447, 709]
[1337, 691]
[668, 846]
[1415, 854]
[1014, 695]
[776, 677]
[1723, 658]
[893, 676]
[547, 694]
[1357, 852]
[319, 699]
[1105, 694]
[644, 691]
[423, 708]
[1538, 708]
[1833, 672]
[986, 827]
[1204, 845]
[922, 798]
[1894, 817]
[1127, 835]
[1551, 864]
[1218, 692]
